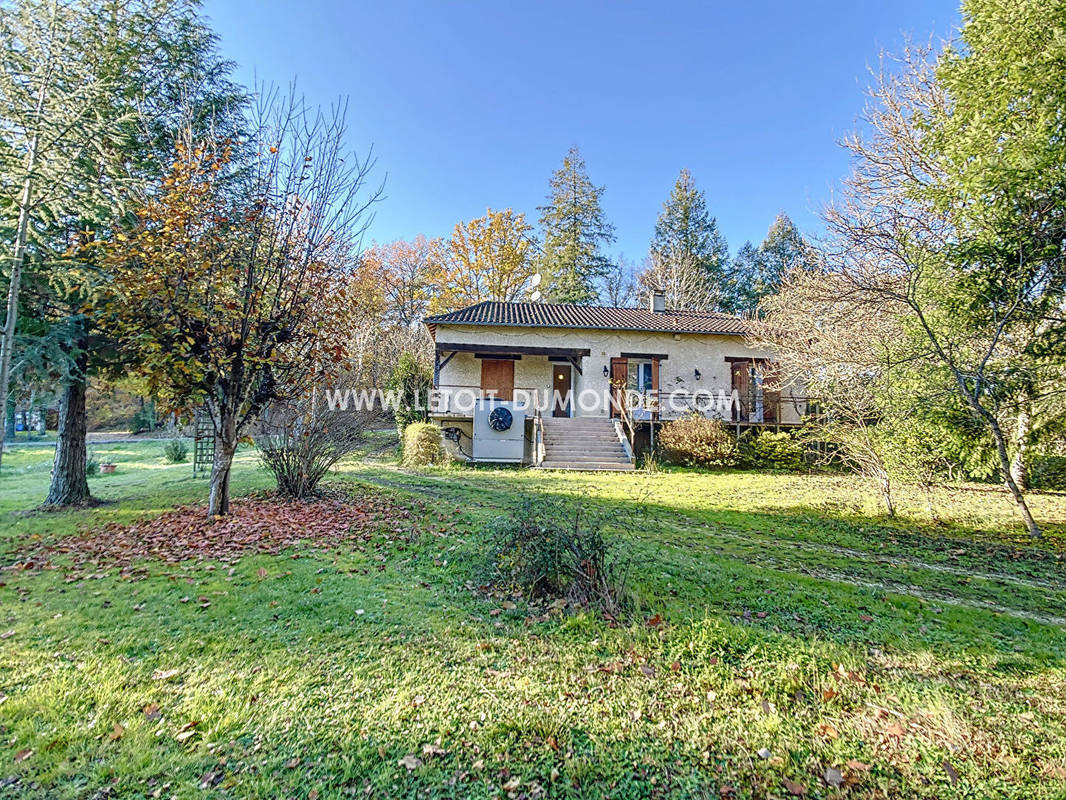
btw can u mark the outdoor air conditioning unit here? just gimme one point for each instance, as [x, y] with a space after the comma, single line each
[499, 432]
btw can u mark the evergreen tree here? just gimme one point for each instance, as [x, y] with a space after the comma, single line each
[757, 272]
[689, 257]
[574, 229]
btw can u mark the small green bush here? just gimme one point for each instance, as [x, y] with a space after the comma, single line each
[554, 549]
[92, 466]
[176, 451]
[1048, 472]
[696, 441]
[422, 444]
[768, 450]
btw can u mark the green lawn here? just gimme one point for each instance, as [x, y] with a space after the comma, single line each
[807, 647]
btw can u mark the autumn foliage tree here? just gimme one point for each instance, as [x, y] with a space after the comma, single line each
[487, 258]
[229, 286]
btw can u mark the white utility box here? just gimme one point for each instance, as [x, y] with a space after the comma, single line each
[499, 431]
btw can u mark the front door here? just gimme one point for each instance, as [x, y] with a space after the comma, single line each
[741, 389]
[619, 382]
[562, 383]
[497, 375]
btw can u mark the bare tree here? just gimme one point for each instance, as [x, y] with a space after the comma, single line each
[682, 280]
[896, 244]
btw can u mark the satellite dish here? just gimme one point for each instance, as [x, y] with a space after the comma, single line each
[535, 297]
[535, 281]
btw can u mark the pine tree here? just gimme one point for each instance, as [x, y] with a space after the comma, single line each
[574, 229]
[758, 272]
[689, 257]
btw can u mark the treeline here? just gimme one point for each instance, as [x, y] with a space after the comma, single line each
[494, 257]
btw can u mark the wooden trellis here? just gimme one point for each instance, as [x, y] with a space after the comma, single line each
[203, 447]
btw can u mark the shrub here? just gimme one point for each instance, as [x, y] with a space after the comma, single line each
[421, 444]
[176, 451]
[768, 450]
[549, 549]
[302, 441]
[411, 381]
[92, 466]
[697, 442]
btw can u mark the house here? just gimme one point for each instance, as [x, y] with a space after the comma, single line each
[594, 382]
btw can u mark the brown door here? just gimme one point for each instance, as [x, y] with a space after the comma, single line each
[619, 377]
[771, 391]
[742, 387]
[497, 375]
[562, 382]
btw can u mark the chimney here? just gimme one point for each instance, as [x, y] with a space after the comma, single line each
[657, 301]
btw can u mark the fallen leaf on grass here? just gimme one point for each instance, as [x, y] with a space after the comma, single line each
[648, 670]
[857, 766]
[7, 634]
[261, 572]
[794, 788]
[411, 761]
[833, 777]
[431, 749]
[22, 755]
[151, 711]
[655, 621]
[186, 731]
[116, 732]
[512, 784]
[257, 524]
[292, 763]
[866, 618]
[164, 674]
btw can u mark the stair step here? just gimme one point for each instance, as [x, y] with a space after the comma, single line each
[588, 466]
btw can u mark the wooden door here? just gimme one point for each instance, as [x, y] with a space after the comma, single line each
[742, 386]
[497, 375]
[619, 379]
[562, 383]
[771, 391]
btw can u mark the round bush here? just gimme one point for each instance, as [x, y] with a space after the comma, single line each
[422, 444]
[695, 441]
[768, 450]
[176, 451]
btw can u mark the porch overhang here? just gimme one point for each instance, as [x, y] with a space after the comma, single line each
[488, 350]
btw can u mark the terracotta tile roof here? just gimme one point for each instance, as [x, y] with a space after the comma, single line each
[565, 315]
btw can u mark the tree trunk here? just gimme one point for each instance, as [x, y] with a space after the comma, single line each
[885, 484]
[69, 485]
[7, 333]
[1005, 468]
[225, 447]
[9, 419]
[1019, 466]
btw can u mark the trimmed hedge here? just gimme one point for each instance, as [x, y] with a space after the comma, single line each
[422, 444]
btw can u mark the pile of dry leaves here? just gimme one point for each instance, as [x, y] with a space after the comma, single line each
[256, 524]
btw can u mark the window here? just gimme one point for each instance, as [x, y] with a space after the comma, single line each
[639, 378]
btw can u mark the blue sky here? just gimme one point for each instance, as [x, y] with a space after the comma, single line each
[472, 104]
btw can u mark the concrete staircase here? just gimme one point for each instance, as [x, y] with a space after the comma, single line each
[583, 443]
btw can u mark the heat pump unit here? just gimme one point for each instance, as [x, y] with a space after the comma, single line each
[499, 432]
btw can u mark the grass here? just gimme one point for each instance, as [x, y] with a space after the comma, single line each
[806, 644]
